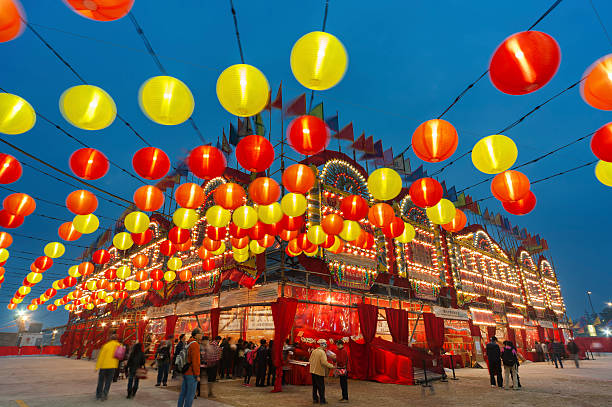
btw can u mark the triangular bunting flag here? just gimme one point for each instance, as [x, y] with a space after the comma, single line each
[359, 144]
[317, 111]
[332, 123]
[278, 101]
[233, 135]
[346, 133]
[225, 146]
[297, 107]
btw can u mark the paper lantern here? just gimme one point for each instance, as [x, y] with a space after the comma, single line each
[174, 263]
[510, 186]
[522, 206]
[206, 162]
[169, 276]
[156, 274]
[266, 241]
[142, 238]
[12, 20]
[187, 218]
[596, 88]
[11, 306]
[291, 222]
[136, 222]
[311, 253]
[179, 236]
[425, 192]
[407, 235]
[167, 248]
[316, 234]
[43, 262]
[140, 260]
[258, 231]
[270, 214]
[51, 307]
[73, 271]
[166, 100]
[34, 278]
[89, 163]
[185, 275]
[494, 154]
[209, 264]
[380, 214]
[298, 178]
[216, 233]
[123, 241]
[394, 228]
[288, 235]
[183, 246]
[189, 195]
[132, 285]
[123, 272]
[458, 222]
[148, 198]
[294, 204]
[337, 247]
[243, 90]
[332, 224]
[5, 240]
[318, 60]
[329, 241]
[524, 62]
[24, 290]
[157, 285]
[229, 195]
[442, 212]
[354, 207]
[434, 140]
[151, 163]
[32, 307]
[238, 243]
[255, 153]
[601, 142]
[86, 268]
[240, 257]
[308, 135]
[87, 107]
[256, 248]
[54, 250]
[101, 284]
[264, 191]
[19, 204]
[108, 299]
[292, 253]
[8, 220]
[91, 285]
[350, 230]
[101, 10]
[365, 240]
[81, 202]
[603, 172]
[67, 232]
[218, 216]
[10, 169]
[16, 115]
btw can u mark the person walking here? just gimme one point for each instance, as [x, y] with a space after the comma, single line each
[510, 361]
[162, 358]
[494, 358]
[135, 361]
[177, 349]
[318, 370]
[574, 350]
[212, 353]
[557, 352]
[539, 351]
[240, 359]
[342, 369]
[261, 363]
[192, 375]
[271, 367]
[107, 363]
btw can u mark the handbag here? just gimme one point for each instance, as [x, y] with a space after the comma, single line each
[340, 372]
[141, 373]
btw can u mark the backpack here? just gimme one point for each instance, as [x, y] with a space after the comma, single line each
[182, 365]
[509, 358]
[119, 352]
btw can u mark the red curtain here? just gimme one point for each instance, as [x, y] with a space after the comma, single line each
[541, 334]
[491, 332]
[434, 331]
[215, 313]
[397, 319]
[368, 319]
[511, 335]
[283, 313]
[561, 336]
[550, 333]
[524, 338]
[474, 329]
[170, 325]
[142, 326]
[120, 332]
[382, 361]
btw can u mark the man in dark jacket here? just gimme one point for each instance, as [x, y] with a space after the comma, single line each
[162, 359]
[177, 349]
[574, 350]
[271, 367]
[261, 363]
[557, 352]
[494, 358]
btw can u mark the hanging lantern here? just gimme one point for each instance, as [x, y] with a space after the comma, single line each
[426, 192]
[292, 254]
[298, 178]
[239, 232]
[603, 172]
[42, 262]
[156, 274]
[91, 285]
[255, 153]
[174, 263]
[19, 204]
[384, 184]
[4, 255]
[51, 307]
[204, 253]
[206, 162]
[140, 260]
[243, 90]
[169, 275]
[365, 240]
[189, 195]
[151, 163]
[332, 224]
[442, 212]
[67, 232]
[337, 247]
[179, 236]
[522, 206]
[142, 238]
[187, 218]
[329, 241]
[5, 240]
[88, 163]
[24, 290]
[229, 195]
[8, 220]
[123, 241]
[380, 214]
[34, 278]
[10, 169]
[350, 230]
[12, 20]
[316, 234]
[87, 107]
[524, 62]
[73, 271]
[101, 10]
[318, 60]
[354, 207]
[183, 247]
[264, 191]
[81, 202]
[148, 198]
[407, 235]
[510, 185]
[291, 222]
[108, 299]
[167, 248]
[308, 135]
[601, 143]
[124, 272]
[294, 204]
[287, 235]
[32, 307]
[132, 285]
[394, 229]
[237, 244]
[258, 231]
[270, 214]
[458, 222]
[185, 275]
[136, 222]
[157, 285]
[266, 241]
[209, 264]
[16, 115]
[434, 140]
[494, 154]
[166, 100]
[101, 284]
[54, 250]
[596, 88]
[11, 306]
[86, 268]
[216, 233]
[217, 216]
[256, 248]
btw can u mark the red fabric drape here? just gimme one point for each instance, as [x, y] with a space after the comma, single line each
[215, 313]
[142, 326]
[524, 338]
[511, 335]
[120, 332]
[397, 319]
[474, 329]
[170, 325]
[368, 319]
[541, 334]
[283, 313]
[561, 336]
[434, 331]
[550, 334]
[491, 332]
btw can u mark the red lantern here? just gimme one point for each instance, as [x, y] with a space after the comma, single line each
[43, 262]
[51, 307]
[151, 163]
[216, 233]
[100, 256]
[5, 240]
[157, 285]
[183, 246]
[2, 271]
[294, 246]
[266, 241]
[157, 274]
[81, 202]
[101, 10]
[206, 162]
[119, 285]
[305, 244]
[67, 232]
[596, 88]
[110, 274]
[70, 281]
[140, 260]
[329, 241]
[101, 284]
[211, 245]
[394, 229]
[178, 235]
[167, 248]
[272, 229]
[255, 153]
[148, 198]
[19, 204]
[522, 206]
[425, 192]
[145, 285]
[189, 195]
[11, 306]
[340, 247]
[229, 195]
[510, 186]
[239, 243]
[10, 221]
[292, 254]
[50, 292]
[237, 232]
[354, 207]
[85, 268]
[258, 231]
[123, 295]
[264, 191]
[601, 143]
[209, 264]
[434, 140]
[89, 163]
[298, 178]
[307, 135]
[185, 275]
[364, 241]
[381, 214]
[332, 224]
[458, 222]
[10, 169]
[10, 20]
[291, 222]
[142, 275]
[142, 238]
[524, 62]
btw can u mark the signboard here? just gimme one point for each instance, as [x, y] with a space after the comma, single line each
[196, 305]
[234, 297]
[546, 324]
[264, 293]
[244, 296]
[159, 312]
[451, 313]
[260, 318]
[515, 321]
[382, 328]
[482, 317]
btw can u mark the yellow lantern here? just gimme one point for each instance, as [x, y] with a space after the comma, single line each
[132, 285]
[166, 100]
[337, 242]
[70, 296]
[91, 285]
[87, 107]
[185, 218]
[86, 224]
[73, 271]
[242, 250]
[68, 307]
[318, 60]
[243, 90]
[241, 257]
[16, 115]
[108, 299]
[218, 216]
[294, 204]
[220, 250]
[350, 230]
[101, 295]
[123, 241]
[90, 306]
[123, 272]
[408, 234]
[256, 247]
[34, 278]
[24, 290]
[57, 302]
[442, 212]
[384, 184]
[169, 276]
[54, 250]
[17, 300]
[312, 253]
[4, 255]
[174, 263]
[55, 285]
[136, 222]
[316, 235]
[270, 213]
[32, 307]
[245, 217]
[603, 172]
[494, 154]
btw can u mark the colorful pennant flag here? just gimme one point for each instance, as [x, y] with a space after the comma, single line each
[297, 107]
[346, 133]
[332, 123]
[317, 111]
